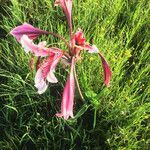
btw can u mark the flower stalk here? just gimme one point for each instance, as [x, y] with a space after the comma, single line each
[77, 83]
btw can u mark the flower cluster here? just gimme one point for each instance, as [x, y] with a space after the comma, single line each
[48, 57]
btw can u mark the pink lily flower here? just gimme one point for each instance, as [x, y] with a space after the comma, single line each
[78, 43]
[26, 33]
[28, 30]
[66, 5]
[46, 71]
[68, 95]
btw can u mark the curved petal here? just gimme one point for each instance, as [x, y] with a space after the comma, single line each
[66, 5]
[38, 76]
[28, 30]
[51, 77]
[46, 70]
[91, 49]
[38, 50]
[41, 86]
[107, 71]
[58, 54]
[68, 95]
[40, 82]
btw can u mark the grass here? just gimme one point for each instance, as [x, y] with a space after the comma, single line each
[110, 118]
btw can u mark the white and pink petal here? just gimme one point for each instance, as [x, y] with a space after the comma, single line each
[37, 50]
[41, 86]
[91, 49]
[51, 77]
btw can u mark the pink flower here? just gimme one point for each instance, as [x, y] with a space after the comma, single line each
[78, 43]
[68, 95]
[45, 67]
[46, 71]
[28, 30]
[66, 5]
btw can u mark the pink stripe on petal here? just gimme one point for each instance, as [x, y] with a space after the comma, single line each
[46, 70]
[68, 95]
[28, 30]
[57, 57]
[107, 71]
[51, 77]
